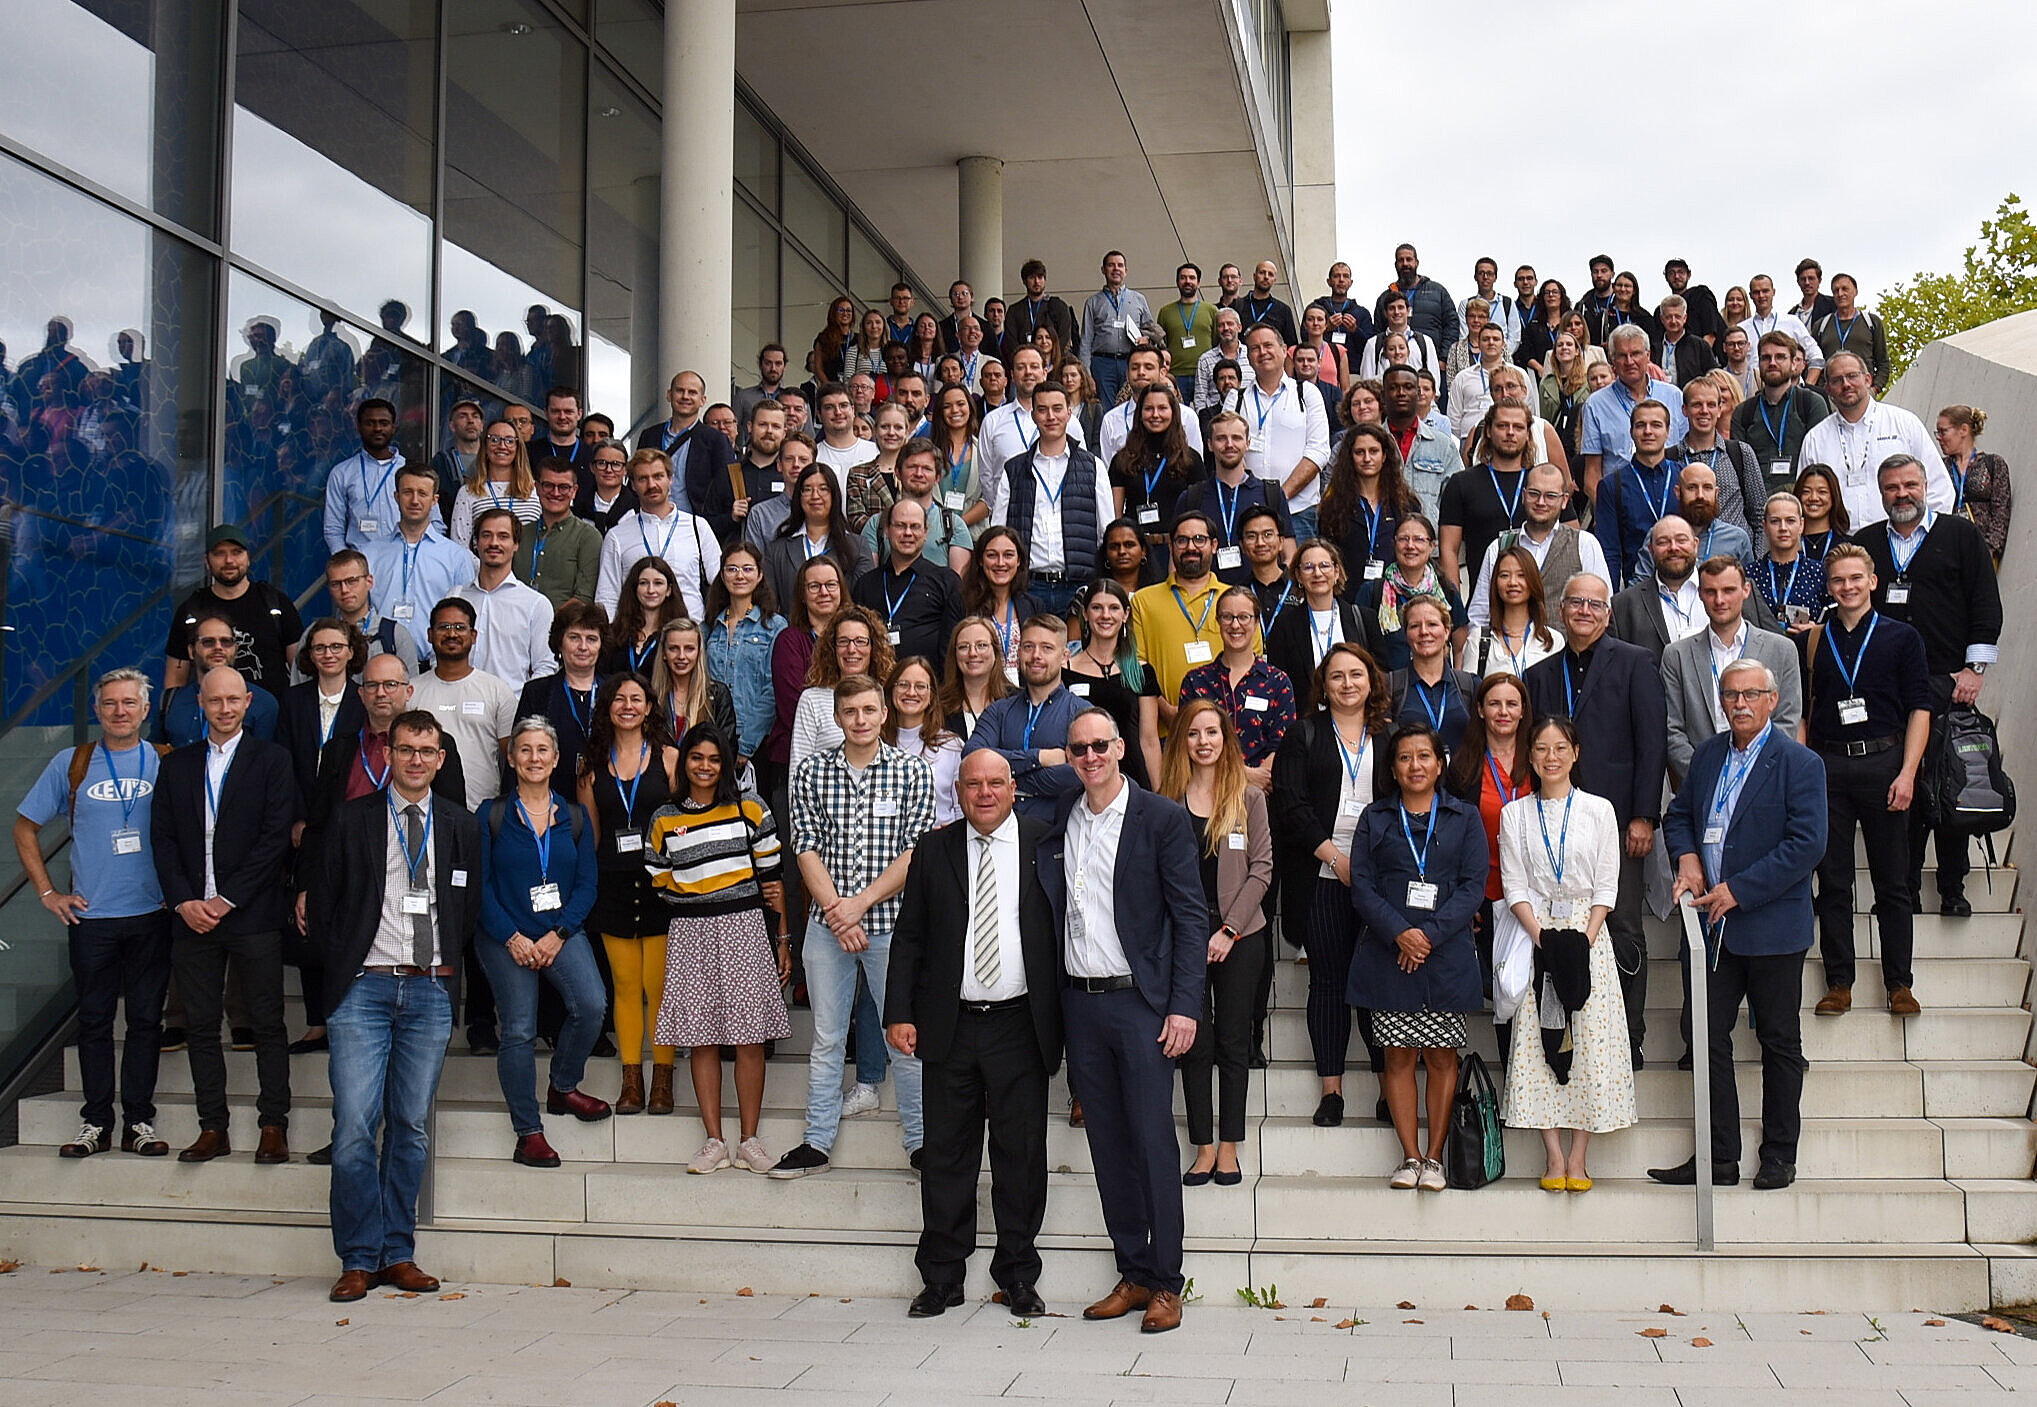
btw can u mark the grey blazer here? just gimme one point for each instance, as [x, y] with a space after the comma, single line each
[1687, 681]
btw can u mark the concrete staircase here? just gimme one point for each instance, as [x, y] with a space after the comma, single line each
[1914, 1187]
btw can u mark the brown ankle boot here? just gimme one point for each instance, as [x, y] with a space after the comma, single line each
[631, 1100]
[661, 1089]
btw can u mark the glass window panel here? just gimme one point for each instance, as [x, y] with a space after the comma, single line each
[515, 188]
[870, 273]
[332, 152]
[133, 102]
[294, 377]
[756, 158]
[812, 215]
[631, 33]
[105, 380]
[622, 256]
[807, 294]
[754, 310]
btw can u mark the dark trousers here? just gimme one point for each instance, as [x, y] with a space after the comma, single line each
[1127, 1091]
[992, 1075]
[1630, 947]
[1856, 790]
[200, 961]
[1772, 987]
[1332, 935]
[298, 953]
[1223, 1041]
[1952, 861]
[480, 997]
[115, 960]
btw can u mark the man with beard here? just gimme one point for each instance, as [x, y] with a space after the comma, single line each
[1775, 423]
[1030, 728]
[1226, 494]
[1700, 302]
[1430, 309]
[180, 722]
[360, 491]
[1663, 606]
[265, 622]
[1697, 499]
[512, 635]
[1175, 621]
[1596, 306]
[1631, 499]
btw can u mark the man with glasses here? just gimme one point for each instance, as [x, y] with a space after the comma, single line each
[1260, 531]
[1561, 550]
[919, 600]
[181, 722]
[1175, 621]
[1862, 434]
[658, 528]
[560, 555]
[420, 564]
[351, 586]
[1612, 691]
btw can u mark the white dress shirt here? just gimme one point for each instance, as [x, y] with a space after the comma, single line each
[1790, 323]
[1011, 958]
[1091, 860]
[1045, 548]
[1856, 449]
[687, 545]
[1007, 433]
[1470, 398]
[1683, 610]
[1117, 428]
[512, 638]
[218, 757]
[328, 709]
[1723, 655]
[393, 946]
[1284, 431]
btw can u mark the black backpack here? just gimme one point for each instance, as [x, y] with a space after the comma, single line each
[1968, 791]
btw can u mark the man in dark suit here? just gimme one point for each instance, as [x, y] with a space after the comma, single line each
[220, 831]
[1612, 691]
[1120, 870]
[1746, 832]
[1667, 605]
[975, 994]
[394, 901]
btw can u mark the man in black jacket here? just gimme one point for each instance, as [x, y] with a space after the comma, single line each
[220, 831]
[1613, 692]
[1933, 571]
[394, 902]
[975, 994]
[920, 600]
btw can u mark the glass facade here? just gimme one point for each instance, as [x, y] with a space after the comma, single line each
[277, 210]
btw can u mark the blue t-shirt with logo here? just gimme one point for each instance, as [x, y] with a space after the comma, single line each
[113, 885]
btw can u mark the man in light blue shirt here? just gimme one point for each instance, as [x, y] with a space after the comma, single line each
[420, 566]
[1115, 320]
[360, 491]
[1607, 440]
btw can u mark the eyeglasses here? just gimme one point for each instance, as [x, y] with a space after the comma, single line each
[451, 627]
[556, 488]
[1184, 540]
[331, 648]
[504, 440]
[1545, 495]
[413, 754]
[1733, 696]
[1586, 605]
[379, 686]
[334, 583]
[1233, 618]
[1086, 749]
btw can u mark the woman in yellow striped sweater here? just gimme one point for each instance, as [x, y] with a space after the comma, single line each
[714, 855]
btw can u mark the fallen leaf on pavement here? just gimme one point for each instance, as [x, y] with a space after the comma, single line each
[1669, 1309]
[1519, 1302]
[455, 1295]
[745, 1293]
[1655, 1333]
[2000, 1326]
[1318, 1302]
[562, 1284]
[1700, 1343]
[1317, 1319]
[1410, 1321]
[342, 1323]
[1347, 1323]
[1934, 1323]
[1405, 1304]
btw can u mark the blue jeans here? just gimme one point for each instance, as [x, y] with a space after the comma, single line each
[1053, 597]
[578, 982]
[1305, 525]
[1185, 385]
[389, 1038]
[1110, 373]
[873, 1057]
[831, 992]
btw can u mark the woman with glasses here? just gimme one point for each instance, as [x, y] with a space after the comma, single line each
[1980, 478]
[854, 642]
[1412, 573]
[500, 478]
[1257, 698]
[975, 677]
[824, 362]
[818, 526]
[1301, 639]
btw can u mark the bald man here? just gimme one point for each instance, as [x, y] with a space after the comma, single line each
[220, 831]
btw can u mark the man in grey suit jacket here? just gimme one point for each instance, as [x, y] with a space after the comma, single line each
[1643, 610]
[1691, 666]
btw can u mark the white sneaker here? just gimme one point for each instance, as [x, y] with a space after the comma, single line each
[1407, 1175]
[860, 1100]
[712, 1157]
[750, 1155]
[1432, 1179]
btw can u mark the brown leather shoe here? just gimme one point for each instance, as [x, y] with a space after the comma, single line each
[1163, 1312]
[404, 1275]
[1122, 1301]
[631, 1099]
[352, 1285]
[661, 1090]
[1837, 1001]
[212, 1143]
[1074, 1113]
[1903, 1002]
[274, 1146]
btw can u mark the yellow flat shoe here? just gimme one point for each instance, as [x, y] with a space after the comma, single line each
[1555, 1184]
[1578, 1184]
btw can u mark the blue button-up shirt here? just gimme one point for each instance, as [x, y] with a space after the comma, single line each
[1608, 422]
[1718, 818]
[1017, 728]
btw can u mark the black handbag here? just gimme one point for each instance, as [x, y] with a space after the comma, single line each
[1474, 1153]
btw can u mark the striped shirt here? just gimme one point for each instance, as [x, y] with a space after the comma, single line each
[710, 860]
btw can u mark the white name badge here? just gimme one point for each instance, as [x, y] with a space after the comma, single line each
[1421, 896]
[1257, 444]
[404, 610]
[371, 525]
[1354, 806]
[1338, 338]
[471, 707]
[1230, 558]
[1011, 673]
[1562, 910]
[1780, 468]
[629, 842]
[955, 502]
[127, 842]
[1149, 516]
[887, 808]
[1237, 840]
[1715, 835]
[544, 898]
[1081, 691]
[1374, 569]
[892, 636]
[1188, 344]
[1798, 615]
[1255, 704]
[459, 879]
[416, 901]
[1852, 711]
[1899, 593]
[1198, 652]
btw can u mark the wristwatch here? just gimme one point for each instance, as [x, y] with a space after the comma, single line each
[1979, 667]
[1229, 933]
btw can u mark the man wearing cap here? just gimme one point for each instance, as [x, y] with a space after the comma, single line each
[265, 622]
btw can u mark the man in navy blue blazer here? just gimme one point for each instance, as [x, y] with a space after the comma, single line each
[1746, 833]
[1120, 869]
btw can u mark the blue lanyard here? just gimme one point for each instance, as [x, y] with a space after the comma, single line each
[414, 859]
[1439, 707]
[639, 657]
[494, 498]
[120, 790]
[1659, 503]
[1561, 850]
[388, 761]
[1286, 591]
[958, 470]
[1154, 477]
[1032, 721]
[1733, 779]
[1054, 493]
[891, 607]
[1778, 595]
[410, 551]
[537, 552]
[629, 798]
[1520, 487]
[1903, 559]
[573, 704]
[1336, 310]
[1569, 688]
[1873, 619]
[1033, 313]
[370, 495]
[1375, 517]
[1831, 536]
[1229, 514]
[665, 545]
[544, 842]
[1188, 318]
[1505, 790]
[1264, 407]
[1007, 632]
[1020, 419]
[1958, 489]
[1669, 600]
[1705, 542]
[1846, 327]
[1209, 599]
[1354, 764]
[1773, 433]
[1322, 639]
[1421, 855]
[1514, 656]
[1255, 313]
[1117, 301]
[969, 368]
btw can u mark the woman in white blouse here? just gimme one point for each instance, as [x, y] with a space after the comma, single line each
[1559, 855]
[1516, 633]
[914, 726]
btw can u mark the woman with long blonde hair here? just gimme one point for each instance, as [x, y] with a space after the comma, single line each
[501, 478]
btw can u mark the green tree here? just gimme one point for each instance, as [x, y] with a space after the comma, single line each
[1998, 277]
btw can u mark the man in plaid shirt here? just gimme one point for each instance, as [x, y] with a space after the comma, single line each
[857, 811]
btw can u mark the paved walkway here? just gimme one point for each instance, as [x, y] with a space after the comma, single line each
[162, 1339]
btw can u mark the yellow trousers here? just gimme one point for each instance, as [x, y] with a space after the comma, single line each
[638, 967]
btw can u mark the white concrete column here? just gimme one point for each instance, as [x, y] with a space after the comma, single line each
[1313, 217]
[980, 207]
[697, 206]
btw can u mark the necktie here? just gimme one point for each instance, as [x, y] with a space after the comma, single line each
[989, 968]
[420, 924]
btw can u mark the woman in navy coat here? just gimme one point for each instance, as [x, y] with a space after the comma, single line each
[1418, 866]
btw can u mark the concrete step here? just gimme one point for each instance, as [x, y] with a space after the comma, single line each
[1990, 935]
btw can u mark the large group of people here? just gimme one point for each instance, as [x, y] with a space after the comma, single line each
[1007, 692]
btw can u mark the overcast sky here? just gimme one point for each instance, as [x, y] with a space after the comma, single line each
[1900, 126]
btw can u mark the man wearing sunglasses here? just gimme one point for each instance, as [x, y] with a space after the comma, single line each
[213, 646]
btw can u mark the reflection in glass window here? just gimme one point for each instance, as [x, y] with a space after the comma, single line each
[516, 114]
[332, 169]
[622, 257]
[754, 292]
[134, 102]
[103, 463]
[870, 273]
[807, 294]
[756, 158]
[813, 217]
[633, 34]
